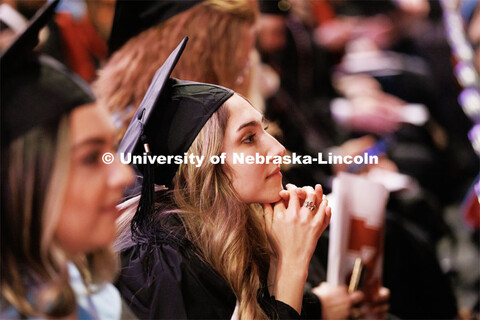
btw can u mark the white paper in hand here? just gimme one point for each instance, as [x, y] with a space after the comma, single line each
[356, 230]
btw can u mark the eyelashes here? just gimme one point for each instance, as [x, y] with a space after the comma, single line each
[252, 137]
[249, 139]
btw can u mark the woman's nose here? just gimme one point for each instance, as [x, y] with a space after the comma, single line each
[276, 148]
[121, 175]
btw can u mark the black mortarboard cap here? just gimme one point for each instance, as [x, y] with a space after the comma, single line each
[35, 89]
[133, 17]
[171, 115]
[276, 7]
[183, 110]
[168, 120]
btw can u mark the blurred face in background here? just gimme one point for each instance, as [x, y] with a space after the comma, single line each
[94, 188]
[272, 33]
[101, 14]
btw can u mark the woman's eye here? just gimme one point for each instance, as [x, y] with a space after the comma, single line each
[266, 128]
[249, 139]
[91, 158]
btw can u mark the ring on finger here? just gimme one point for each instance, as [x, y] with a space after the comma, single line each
[310, 205]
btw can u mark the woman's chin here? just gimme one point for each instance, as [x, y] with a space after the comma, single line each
[267, 195]
[275, 197]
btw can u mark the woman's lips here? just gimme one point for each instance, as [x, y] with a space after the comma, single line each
[275, 173]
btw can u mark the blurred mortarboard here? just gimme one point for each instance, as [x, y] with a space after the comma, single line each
[276, 7]
[133, 17]
[365, 8]
[35, 89]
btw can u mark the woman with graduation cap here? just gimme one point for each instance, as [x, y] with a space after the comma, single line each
[58, 198]
[144, 33]
[206, 248]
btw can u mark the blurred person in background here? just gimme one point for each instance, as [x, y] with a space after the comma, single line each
[221, 36]
[78, 35]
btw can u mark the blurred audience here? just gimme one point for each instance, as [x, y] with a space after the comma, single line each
[390, 95]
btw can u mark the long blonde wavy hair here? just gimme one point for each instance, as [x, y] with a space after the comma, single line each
[228, 233]
[34, 267]
[217, 52]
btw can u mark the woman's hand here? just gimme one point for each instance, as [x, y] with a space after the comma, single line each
[293, 228]
[293, 231]
[381, 303]
[337, 303]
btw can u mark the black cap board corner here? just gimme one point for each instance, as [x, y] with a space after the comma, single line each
[137, 124]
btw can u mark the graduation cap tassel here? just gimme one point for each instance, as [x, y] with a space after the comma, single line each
[144, 214]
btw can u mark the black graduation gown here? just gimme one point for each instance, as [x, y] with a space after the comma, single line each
[162, 277]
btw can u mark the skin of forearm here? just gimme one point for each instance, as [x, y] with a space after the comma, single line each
[289, 284]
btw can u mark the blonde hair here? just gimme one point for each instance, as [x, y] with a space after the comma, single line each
[35, 172]
[216, 53]
[228, 233]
